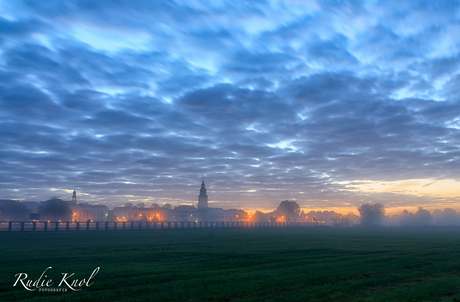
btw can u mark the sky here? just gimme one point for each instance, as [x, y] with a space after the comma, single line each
[329, 103]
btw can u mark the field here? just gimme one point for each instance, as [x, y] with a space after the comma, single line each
[278, 264]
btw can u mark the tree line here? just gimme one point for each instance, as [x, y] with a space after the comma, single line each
[53, 209]
[369, 214]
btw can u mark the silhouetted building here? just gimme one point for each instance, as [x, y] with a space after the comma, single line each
[202, 198]
[84, 211]
[132, 213]
[185, 213]
[74, 197]
[182, 213]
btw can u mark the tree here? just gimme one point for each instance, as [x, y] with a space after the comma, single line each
[352, 218]
[288, 209]
[421, 217]
[128, 205]
[140, 205]
[55, 209]
[13, 210]
[154, 205]
[371, 213]
[261, 217]
[447, 217]
[167, 206]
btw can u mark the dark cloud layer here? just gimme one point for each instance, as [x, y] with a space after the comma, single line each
[132, 101]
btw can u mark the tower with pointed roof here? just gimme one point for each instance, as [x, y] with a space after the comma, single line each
[74, 197]
[202, 198]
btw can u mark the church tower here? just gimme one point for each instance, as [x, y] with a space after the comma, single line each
[74, 197]
[202, 198]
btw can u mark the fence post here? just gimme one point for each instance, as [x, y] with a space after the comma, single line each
[106, 225]
[34, 226]
[78, 225]
[97, 226]
[87, 225]
[56, 226]
[46, 226]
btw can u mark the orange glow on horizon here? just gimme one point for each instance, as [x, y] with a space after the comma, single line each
[280, 219]
[416, 187]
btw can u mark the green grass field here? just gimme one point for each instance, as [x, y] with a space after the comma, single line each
[279, 264]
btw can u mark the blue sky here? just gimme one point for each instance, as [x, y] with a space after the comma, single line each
[329, 103]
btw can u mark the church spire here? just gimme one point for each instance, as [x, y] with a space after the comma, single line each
[74, 197]
[202, 198]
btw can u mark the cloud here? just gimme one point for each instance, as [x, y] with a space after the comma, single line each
[268, 101]
[333, 51]
[428, 184]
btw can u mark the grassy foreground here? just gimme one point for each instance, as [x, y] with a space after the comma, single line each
[282, 264]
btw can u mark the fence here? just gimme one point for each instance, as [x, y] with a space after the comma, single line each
[137, 225]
